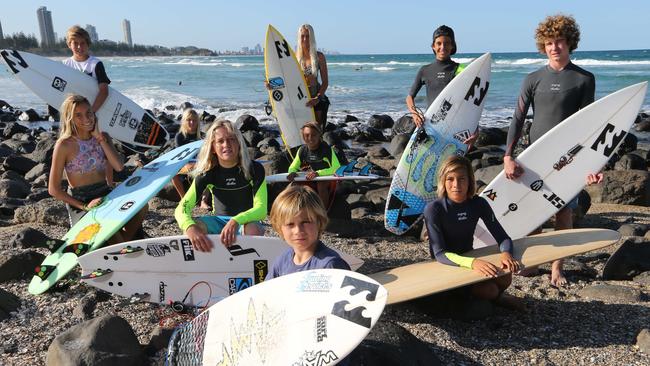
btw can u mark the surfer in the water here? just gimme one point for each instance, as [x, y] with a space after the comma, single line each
[299, 217]
[237, 186]
[87, 157]
[190, 131]
[450, 222]
[556, 91]
[317, 158]
[313, 63]
[437, 74]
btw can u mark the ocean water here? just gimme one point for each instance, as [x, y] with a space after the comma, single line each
[360, 85]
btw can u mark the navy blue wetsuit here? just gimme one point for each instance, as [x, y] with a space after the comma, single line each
[451, 229]
[323, 257]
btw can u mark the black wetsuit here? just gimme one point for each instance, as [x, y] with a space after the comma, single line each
[554, 96]
[435, 76]
[451, 229]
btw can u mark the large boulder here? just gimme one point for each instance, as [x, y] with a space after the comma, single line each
[15, 266]
[19, 164]
[404, 125]
[486, 175]
[629, 260]
[491, 136]
[48, 211]
[104, 341]
[381, 121]
[607, 292]
[246, 122]
[13, 188]
[8, 304]
[43, 151]
[627, 187]
[630, 162]
[398, 144]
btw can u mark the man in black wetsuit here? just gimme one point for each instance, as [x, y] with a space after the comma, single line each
[555, 91]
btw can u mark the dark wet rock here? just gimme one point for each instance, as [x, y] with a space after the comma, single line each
[8, 304]
[491, 158]
[491, 136]
[350, 118]
[279, 163]
[633, 229]
[48, 211]
[15, 266]
[360, 212]
[370, 134]
[389, 344]
[378, 196]
[628, 145]
[13, 188]
[14, 128]
[19, 164]
[5, 151]
[29, 115]
[629, 260]
[607, 292]
[31, 238]
[247, 122]
[404, 125]
[9, 205]
[269, 146]
[486, 175]
[381, 121]
[333, 138]
[7, 117]
[170, 107]
[104, 341]
[627, 187]
[185, 105]
[398, 144]
[643, 126]
[630, 162]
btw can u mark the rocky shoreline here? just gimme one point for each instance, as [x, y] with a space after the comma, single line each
[602, 317]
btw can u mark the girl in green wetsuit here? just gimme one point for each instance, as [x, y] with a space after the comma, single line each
[316, 157]
[237, 186]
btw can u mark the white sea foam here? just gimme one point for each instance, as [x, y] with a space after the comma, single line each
[383, 68]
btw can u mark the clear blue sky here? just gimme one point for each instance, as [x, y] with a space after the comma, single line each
[350, 26]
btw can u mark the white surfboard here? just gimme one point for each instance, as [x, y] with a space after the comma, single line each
[167, 269]
[450, 119]
[556, 165]
[289, 91]
[306, 318]
[53, 81]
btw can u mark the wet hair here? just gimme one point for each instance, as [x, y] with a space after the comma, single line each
[77, 32]
[185, 128]
[294, 199]
[456, 163]
[557, 26]
[207, 158]
[67, 109]
[313, 50]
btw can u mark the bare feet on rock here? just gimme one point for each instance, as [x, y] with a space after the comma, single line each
[557, 275]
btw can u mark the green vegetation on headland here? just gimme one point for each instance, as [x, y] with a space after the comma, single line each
[29, 43]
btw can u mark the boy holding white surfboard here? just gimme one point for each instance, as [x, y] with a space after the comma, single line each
[78, 41]
[556, 91]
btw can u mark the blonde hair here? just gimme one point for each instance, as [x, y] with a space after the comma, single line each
[77, 32]
[294, 199]
[185, 128]
[455, 163]
[557, 26]
[67, 109]
[207, 158]
[313, 50]
[314, 126]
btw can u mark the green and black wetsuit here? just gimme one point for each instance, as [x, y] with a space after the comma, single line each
[323, 160]
[232, 195]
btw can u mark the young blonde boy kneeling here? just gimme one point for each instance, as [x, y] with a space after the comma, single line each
[299, 218]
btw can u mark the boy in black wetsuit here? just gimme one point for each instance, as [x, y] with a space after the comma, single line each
[450, 222]
[437, 74]
[555, 91]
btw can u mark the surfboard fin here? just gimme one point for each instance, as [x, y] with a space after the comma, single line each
[340, 171]
[366, 169]
[127, 250]
[97, 273]
[350, 167]
[54, 244]
[77, 249]
[43, 271]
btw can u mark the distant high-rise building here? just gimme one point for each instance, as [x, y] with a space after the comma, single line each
[126, 27]
[258, 49]
[245, 49]
[1, 35]
[92, 31]
[45, 26]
